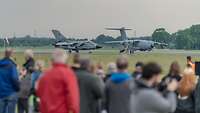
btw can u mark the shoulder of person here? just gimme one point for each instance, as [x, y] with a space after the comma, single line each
[147, 93]
[93, 77]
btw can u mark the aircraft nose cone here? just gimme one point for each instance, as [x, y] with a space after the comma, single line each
[99, 47]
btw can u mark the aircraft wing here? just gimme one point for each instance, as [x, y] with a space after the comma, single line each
[118, 42]
[66, 43]
[114, 42]
[117, 29]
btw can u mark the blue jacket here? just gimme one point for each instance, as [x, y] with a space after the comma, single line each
[120, 77]
[34, 77]
[9, 82]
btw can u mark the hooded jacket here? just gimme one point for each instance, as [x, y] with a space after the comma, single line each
[118, 91]
[145, 99]
[9, 82]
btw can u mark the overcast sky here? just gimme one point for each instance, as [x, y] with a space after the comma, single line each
[88, 18]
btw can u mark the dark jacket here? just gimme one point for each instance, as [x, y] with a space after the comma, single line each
[186, 105]
[197, 97]
[170, 77]
[118, 91]
[29, 65]
[9, 83]
[137, 75]
[91, 91]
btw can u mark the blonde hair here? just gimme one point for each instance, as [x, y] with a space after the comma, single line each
[187, 83]
[40, 65]
[29, 53]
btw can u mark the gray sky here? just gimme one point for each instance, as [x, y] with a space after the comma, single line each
[88, 18]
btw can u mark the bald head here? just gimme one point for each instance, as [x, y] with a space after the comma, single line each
[8, 52]
[59, 56]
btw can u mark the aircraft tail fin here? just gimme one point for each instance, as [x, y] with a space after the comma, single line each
[58, 35]
[122, 32]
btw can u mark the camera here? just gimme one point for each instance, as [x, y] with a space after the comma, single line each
[162, 86]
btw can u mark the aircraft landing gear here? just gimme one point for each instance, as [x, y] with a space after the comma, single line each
[77, 51]
[70, 51]
[131, 51]
[90, 52]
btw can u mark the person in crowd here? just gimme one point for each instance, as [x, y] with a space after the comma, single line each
[146, 99]
[91, 88]
[137, 74]
[197, 96]
[38, 70]
[190, 63]
[9, 83]
[174, 72]
[93, 68]
[58, 89]
[76, 61]
[186, 89]
[112, 68]
[30, 62]
[118, 88]
[25, 82]
[100, 72]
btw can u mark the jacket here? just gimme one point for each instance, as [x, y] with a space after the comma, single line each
[25, 87]
[29, 65]
[186, 105]
[9, 82]
[34, 78]
[58, 90]
[145, 99]
[197, 97]
[118, 91]
[91, 91]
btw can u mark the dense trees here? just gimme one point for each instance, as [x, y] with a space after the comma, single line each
[183, 39]
[160, 35]
[28, 41]
[188, 38]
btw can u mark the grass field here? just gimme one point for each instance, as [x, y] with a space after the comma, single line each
[163, 57]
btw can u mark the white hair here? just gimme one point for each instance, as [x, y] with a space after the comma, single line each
[112, 67]
[59, 56]
[29, 53]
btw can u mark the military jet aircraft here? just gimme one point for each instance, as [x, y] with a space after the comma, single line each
[73, 45]
[130, 46]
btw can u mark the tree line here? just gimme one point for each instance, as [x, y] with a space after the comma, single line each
[188, 38]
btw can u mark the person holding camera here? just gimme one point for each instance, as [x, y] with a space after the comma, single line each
[146, 98]
[174, 72]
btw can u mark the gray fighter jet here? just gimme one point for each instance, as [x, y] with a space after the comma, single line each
[73, 45]
[130, 46]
